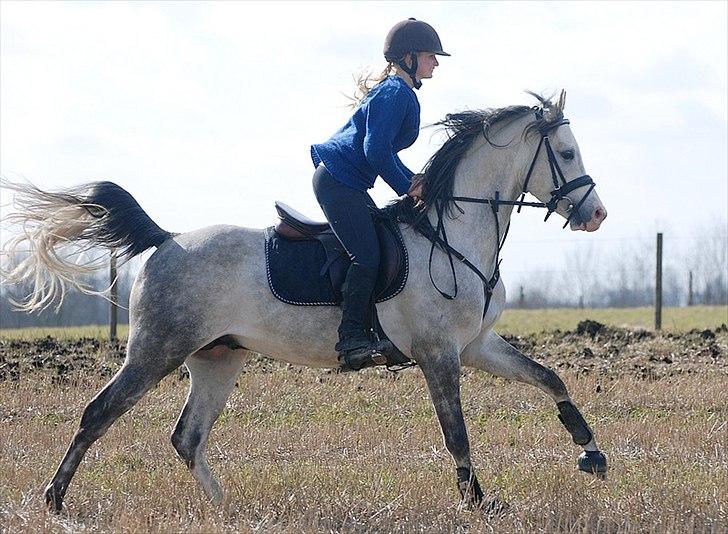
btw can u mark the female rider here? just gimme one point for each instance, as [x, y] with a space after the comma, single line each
[386, 120]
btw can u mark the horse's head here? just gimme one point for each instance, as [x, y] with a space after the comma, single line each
[481, 158]
[556, 174]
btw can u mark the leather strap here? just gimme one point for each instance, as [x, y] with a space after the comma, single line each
[562, 188]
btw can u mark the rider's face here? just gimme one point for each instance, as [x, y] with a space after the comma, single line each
[426, 63]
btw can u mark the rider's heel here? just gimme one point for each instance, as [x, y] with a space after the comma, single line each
[366, 356]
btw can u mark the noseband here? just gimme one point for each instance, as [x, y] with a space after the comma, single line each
[562, 188]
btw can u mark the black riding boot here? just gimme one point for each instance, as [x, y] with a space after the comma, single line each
[356, 350]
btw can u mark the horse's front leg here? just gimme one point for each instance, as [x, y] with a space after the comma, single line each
[442, 374]
[493, 354]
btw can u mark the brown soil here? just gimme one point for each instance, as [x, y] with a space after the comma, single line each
[591, 348]
[596, 348]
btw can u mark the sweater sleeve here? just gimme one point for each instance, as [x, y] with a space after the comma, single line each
[404, 168]
[385, 114]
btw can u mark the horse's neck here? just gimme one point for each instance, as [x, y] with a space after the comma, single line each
[483, 172]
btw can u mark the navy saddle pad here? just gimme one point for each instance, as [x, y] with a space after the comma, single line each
[306, 265]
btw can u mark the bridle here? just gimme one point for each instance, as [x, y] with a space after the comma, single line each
[560, 192]
[562, 188]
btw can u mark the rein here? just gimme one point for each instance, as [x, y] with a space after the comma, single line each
[438, 237]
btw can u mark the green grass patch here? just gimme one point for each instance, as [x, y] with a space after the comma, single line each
[516, 322]
[61, 332]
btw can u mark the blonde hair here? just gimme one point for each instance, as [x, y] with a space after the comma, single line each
[365, 81]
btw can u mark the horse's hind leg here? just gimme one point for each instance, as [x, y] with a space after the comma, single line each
[140, 372]
[212, 378]
[493, 354]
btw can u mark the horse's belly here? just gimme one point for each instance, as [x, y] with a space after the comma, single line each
[303, 353]
[302, 335]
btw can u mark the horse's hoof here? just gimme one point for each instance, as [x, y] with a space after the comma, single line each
[494, 507]
[471, 495]
[53, 499]
[216, 494]
[593, 462]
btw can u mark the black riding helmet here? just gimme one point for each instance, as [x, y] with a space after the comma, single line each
[410, 37]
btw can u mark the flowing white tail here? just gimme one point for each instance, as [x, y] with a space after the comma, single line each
[57, 228]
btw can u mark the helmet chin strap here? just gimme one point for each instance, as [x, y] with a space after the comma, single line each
[412, 71]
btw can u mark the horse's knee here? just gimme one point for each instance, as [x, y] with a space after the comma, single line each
[574, 422]
[552, 383]
[531, 372]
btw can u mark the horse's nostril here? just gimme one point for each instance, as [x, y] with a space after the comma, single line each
[600, 214]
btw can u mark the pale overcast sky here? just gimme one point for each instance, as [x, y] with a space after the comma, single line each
[205, 111]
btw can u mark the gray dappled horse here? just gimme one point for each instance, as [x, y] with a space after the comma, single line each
[202, 299]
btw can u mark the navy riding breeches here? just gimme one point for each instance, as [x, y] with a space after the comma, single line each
[348, 210]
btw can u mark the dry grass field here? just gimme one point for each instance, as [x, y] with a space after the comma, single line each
[513, 321]
[310, 450]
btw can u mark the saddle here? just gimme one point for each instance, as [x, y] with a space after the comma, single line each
[306, 264]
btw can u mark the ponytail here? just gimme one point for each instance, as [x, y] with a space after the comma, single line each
[365, 82]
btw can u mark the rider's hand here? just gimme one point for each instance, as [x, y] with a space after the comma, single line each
[416, 190]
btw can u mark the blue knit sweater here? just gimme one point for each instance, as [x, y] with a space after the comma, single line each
[386, 121]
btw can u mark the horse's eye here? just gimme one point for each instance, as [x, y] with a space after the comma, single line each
[568, 154]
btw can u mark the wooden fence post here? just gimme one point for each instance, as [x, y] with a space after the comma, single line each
[658, 284]
[114, 294]
[690, 289]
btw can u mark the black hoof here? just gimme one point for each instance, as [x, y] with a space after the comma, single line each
[472, 497]
[53, 498]
[593, 462]
[494, 507]
[470, 493]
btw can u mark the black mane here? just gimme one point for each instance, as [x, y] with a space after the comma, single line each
[462, 129]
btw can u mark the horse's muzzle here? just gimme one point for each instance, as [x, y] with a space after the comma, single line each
[588, 218]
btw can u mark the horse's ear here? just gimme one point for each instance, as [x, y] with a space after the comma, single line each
[562, 100]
